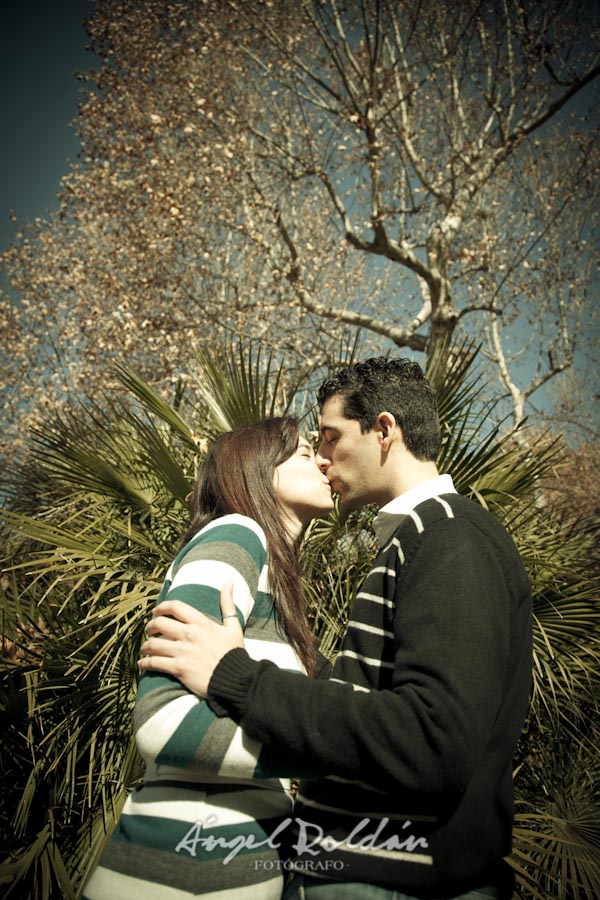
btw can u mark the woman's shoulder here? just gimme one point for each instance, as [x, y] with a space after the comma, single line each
[231, 527]
[224, 537]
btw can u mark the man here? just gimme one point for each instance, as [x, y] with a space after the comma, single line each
[414, 733]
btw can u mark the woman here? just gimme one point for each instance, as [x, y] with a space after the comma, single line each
[212, 807]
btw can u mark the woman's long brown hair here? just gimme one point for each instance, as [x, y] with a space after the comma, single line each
[236, 476]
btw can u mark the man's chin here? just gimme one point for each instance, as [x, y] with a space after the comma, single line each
[348, 503]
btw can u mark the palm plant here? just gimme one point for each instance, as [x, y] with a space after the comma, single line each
[90, 529]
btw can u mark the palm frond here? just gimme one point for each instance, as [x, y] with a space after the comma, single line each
[558, 849]
[153, 403]
[236, 387]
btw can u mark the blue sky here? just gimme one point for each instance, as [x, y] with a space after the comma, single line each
[42, 43]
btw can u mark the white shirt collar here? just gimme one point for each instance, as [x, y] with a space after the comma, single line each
[391, 515]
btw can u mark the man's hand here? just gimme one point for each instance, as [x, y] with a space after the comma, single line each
[189, 645]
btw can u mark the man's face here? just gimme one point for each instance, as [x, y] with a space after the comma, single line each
[351, 460]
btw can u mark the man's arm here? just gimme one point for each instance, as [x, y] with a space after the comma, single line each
[451, 668]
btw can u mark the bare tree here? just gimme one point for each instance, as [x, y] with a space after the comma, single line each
[297, 171]
[428, 130]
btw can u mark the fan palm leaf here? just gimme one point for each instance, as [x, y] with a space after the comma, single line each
[236, 387]
[560, 843]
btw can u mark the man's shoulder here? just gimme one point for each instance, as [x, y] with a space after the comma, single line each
[461, 519]
[444, 506]
[452, 509]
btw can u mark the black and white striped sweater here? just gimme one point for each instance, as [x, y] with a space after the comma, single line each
[414, 733]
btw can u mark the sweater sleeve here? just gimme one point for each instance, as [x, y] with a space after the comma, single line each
[173, 727]
[451, 662]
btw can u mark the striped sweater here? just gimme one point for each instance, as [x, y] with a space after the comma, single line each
[209, 793]
[415, 731]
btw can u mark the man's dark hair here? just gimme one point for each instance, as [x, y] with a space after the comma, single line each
[397, 386]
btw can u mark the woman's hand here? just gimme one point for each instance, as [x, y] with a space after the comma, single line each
[189, 645]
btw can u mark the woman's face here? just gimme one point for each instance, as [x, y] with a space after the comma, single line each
[302, 489]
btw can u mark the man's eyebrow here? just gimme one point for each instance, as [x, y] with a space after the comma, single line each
[323, 428]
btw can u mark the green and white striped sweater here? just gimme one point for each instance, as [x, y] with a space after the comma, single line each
[211, 799]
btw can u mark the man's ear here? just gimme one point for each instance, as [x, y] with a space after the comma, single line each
[388, 429]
